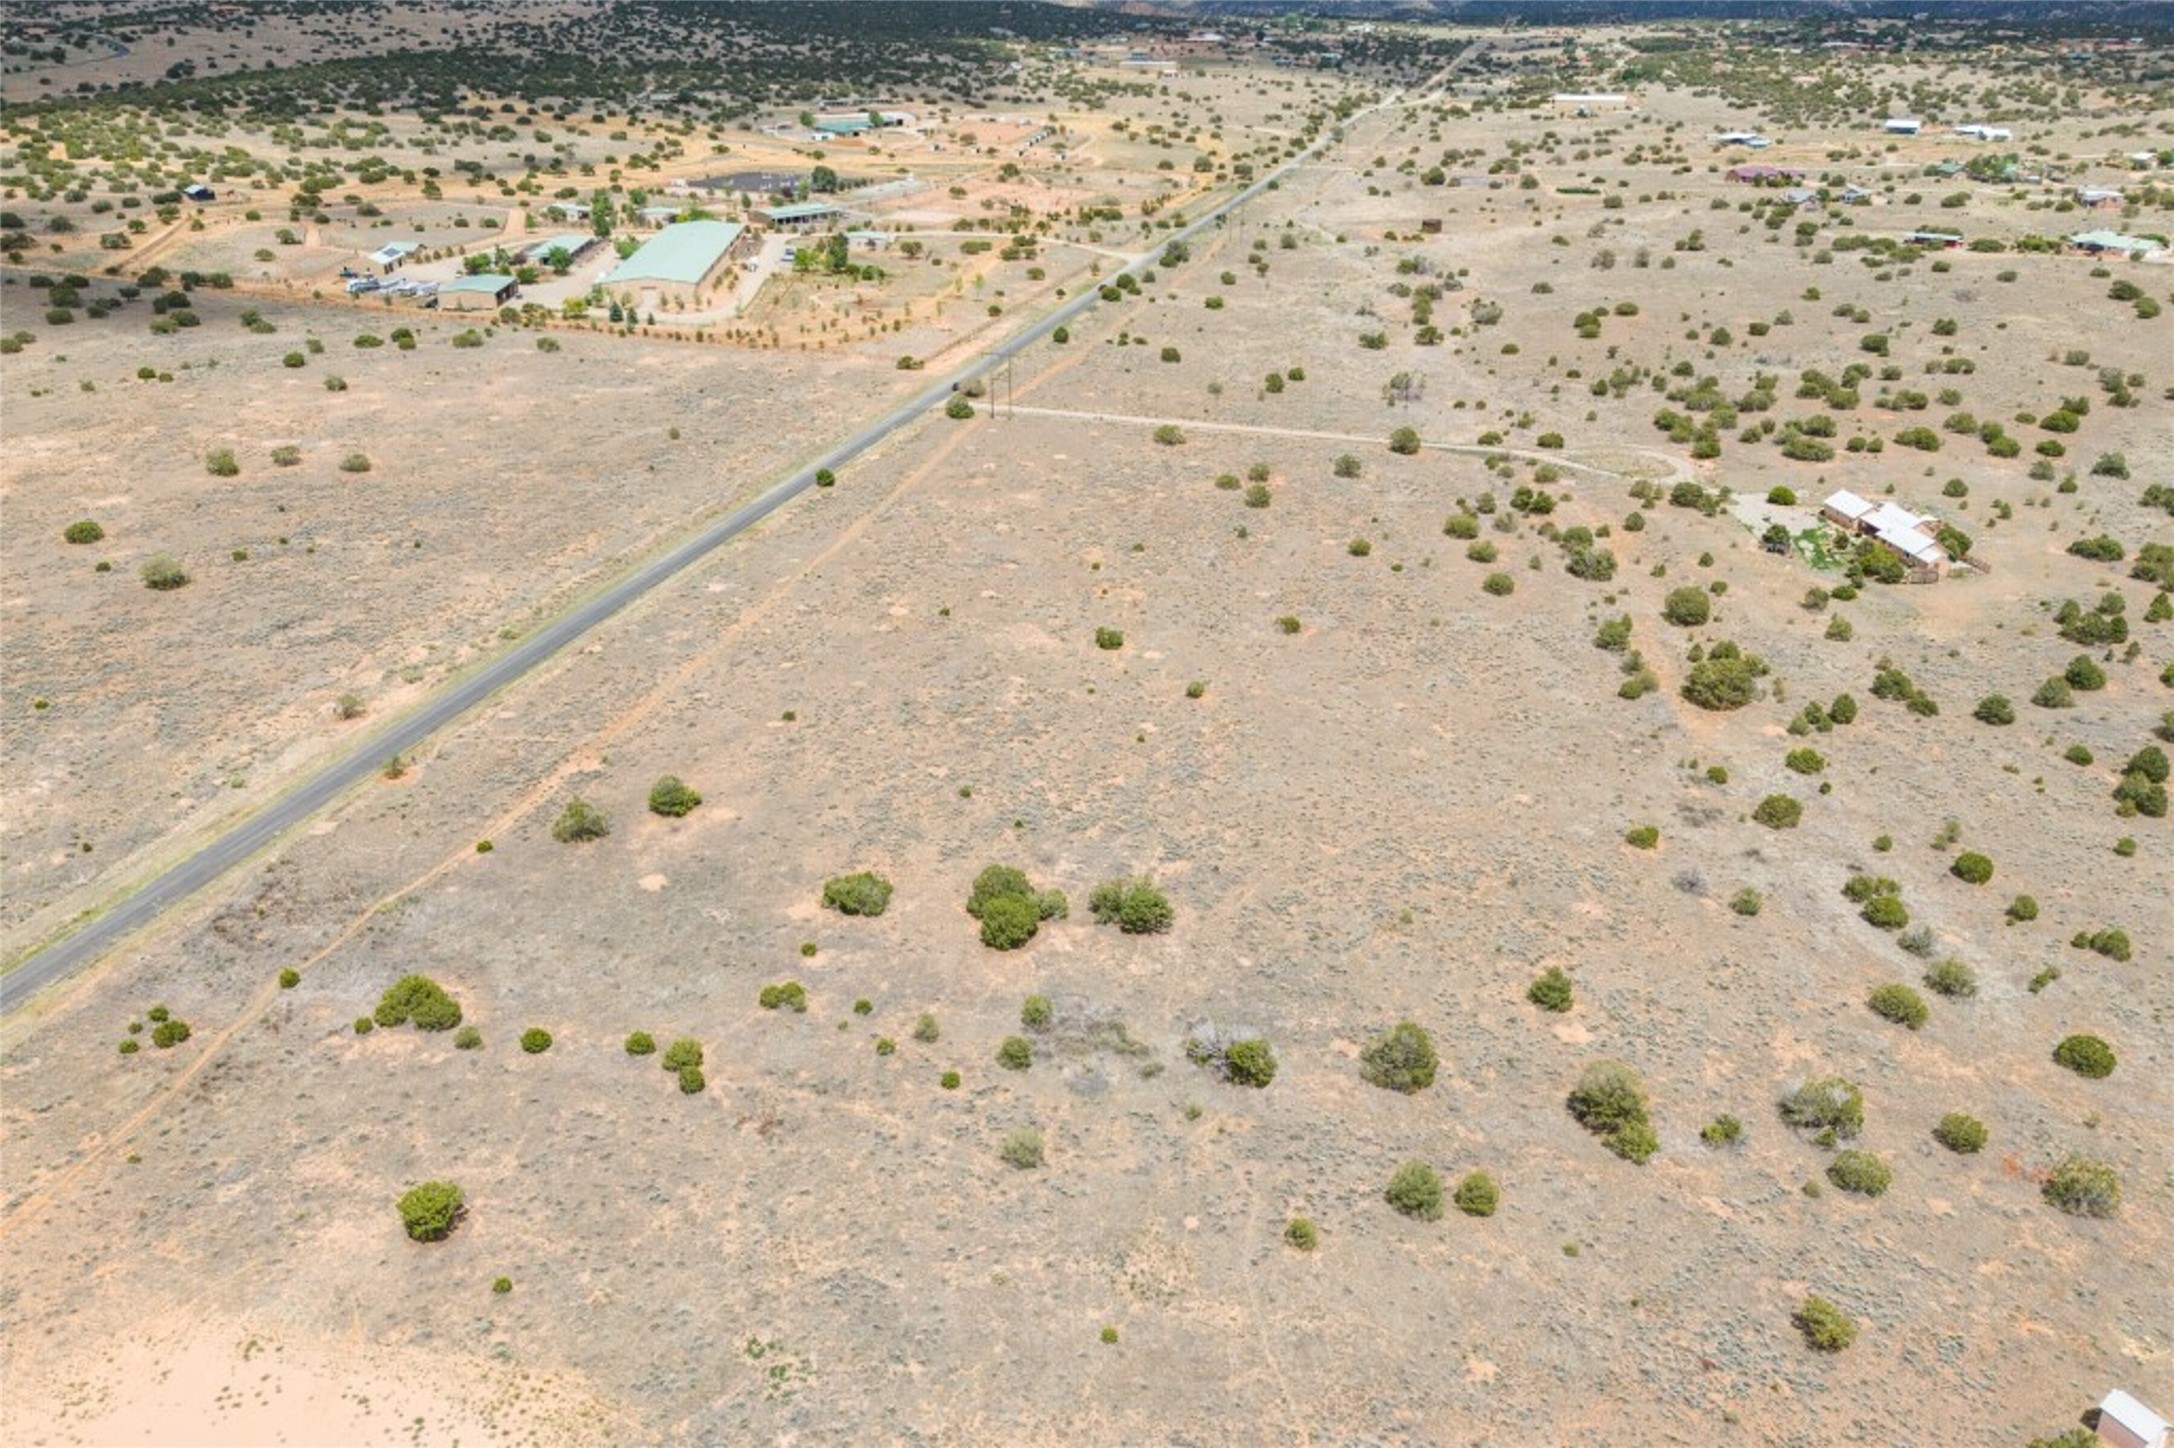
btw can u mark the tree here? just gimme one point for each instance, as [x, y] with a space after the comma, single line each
[1009, 922]
[1400, 1059]
[1477, 1195]
[1416, 1191]
[1687, 607]
[1972, 868]
[2083, 1187]
[84, 531]
[1404, 441]
[1994, 709]
[2087, 1056]
[1551, 990]
[420, 999]
[1961, 1134]
[1725, 679]
[1779, 812]
[430, 1210]
[1860, 1173]
[822, 180]
[671, 798]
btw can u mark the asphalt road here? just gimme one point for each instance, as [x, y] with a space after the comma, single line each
[106, 930]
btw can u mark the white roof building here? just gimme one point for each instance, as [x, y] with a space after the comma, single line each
[1847, 504]
[2129, 1424]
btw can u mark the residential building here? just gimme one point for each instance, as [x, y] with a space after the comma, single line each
[797, 215]
[1902, 126]
[682, 263]
[2126, 1423]
[394, 254]
[2095, 243]
[1913, 537]
[484, 291]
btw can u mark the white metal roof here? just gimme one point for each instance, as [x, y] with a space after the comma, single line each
[2132, 1415]
[1849, 505]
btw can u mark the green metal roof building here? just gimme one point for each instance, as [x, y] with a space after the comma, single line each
[681, 260]
[796, 213]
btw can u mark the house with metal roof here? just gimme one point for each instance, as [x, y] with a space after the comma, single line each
[1894, 527]
[573, 243]
[393, 254]
[484, 291]
[683, 262]
[797, 215]
[2096, 242]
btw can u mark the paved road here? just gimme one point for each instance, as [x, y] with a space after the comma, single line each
[244, 840]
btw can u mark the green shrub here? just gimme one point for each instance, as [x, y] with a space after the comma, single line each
[641, 1043]
[1898, 1003]
[1416, 1191]
[1722, 1131]
[1610, 1101]
[1634, 1143]
[949, 1080]
[1501, 585]
[502, 1285]
[1961, 1134]
[1805, 761]
[220, 463]
[535, 1040]
[430, 1210]
[169, 1033]
[1687, 607]
[1015, 1053]
[1400, 1059]
[1860, 1172]
[860, 893]
[289, 978]
[1551, 990]
[1886, 911]
[1134, 906]
[1825, 1327]
[1249, 1063]
[2083, 673]
[1477, 1195]
[1952, 979]
[926, 1030]
[1642, 837]
[2086, 1056]
[1109, 639]
[2083, 1187]
[2054, 693]
[1169, 434]
[1009, 922]
[682, 1053]
[2113, 944]
[1747, 901]
[671, 798]
[1300, 1232]
[1826, 1104]
[1036, 1012]
[355, 463]
[364, 1025]
[163, 574]
[1779, 811]
[467, 1038]
[691, 1080]
[785, 995]
[1994, 709]
[580, 821]
[1258, 495]
[420, 999]
[1725, 679]
[1022, 1149]
[83, 531]
[1404, 441]
[2023, 908]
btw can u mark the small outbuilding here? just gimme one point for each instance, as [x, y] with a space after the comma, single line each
[573, 243]
[394, 254]
[198, 191]
[2097, 197]
[2126, 1423]
[485, 291]
[2098, 243]
[1902, 126]
[1759, 173]
[797, 215]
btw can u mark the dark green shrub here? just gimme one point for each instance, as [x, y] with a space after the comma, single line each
[1300, 1232]
[2054, 693]
[2023, 908]
[1009, 922]
[1961, 1134]
[1826, 1104]
[1722, 1131]
[169, 1033]
[1886, 911]
[949, 1080]
[1400, 1059]
[1642, 837]
[289, 978]
[1477, 1195]
[2083, 672]
[83, 531]
[220, 461]
[502, 1285]
[2083, 1187]
[682, 1053]
[1404, 441]
[1860, 1172]
[958, 408]
[1015, 1053]
[364, 1025]
[1416, 1191]
[1551, 990]
[860, 893]
[1747, 901]
[786, 995]
[2086, 1056]
[1501, 585]
[671, 798]
[1994, 709]
[1952, 979]
[1022, 1149]
[641, 1043]
[1036, 1012]
[1250, 1063]
[430, 1210]
[691, 1080]
[1109, 638]
[580, 821]
[1805, 761]
[1610, 1101]
[1779, 811]
[535, 1040]
[420, 999]
[1134, 906]
[1725, 679]
[1009, 908]
[1826, 1328]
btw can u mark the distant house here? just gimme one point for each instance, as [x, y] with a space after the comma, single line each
[573, 243]
[1896, 528]
[485, 291]
[1800, 196]
[658, 215]
[198, 191]
[1945, 240]
[1431, 226]
[2126, 1423]
[2097, 197]
[1585, 102]
[568, 210]
[2096, 243]
[394, 254]
[1977, 132]
[1751, 139]
[1902, 126]
[797, 215]
[1854, 196]
[1759, 173]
